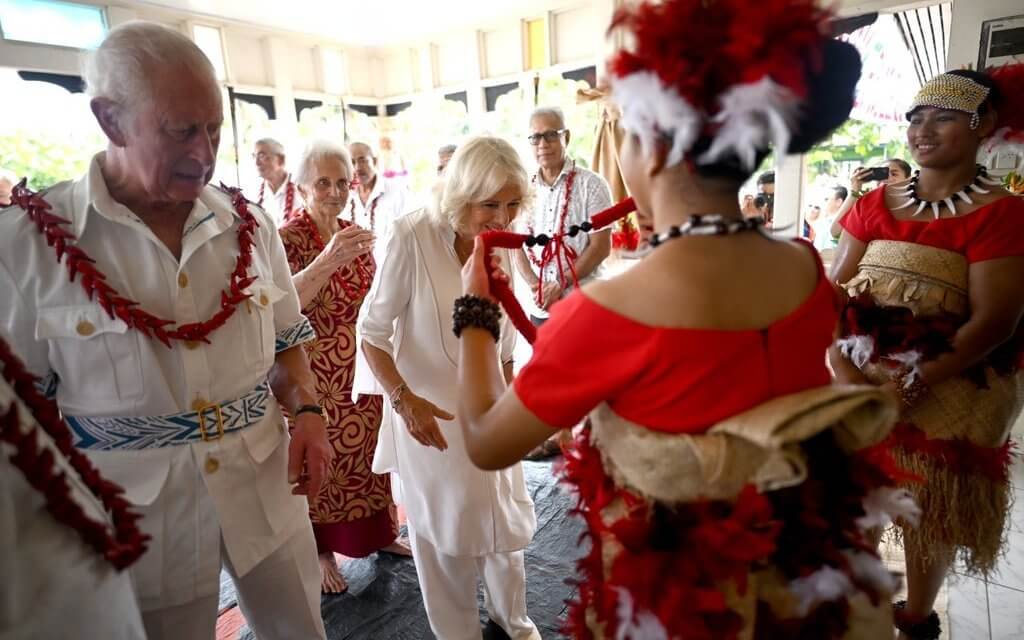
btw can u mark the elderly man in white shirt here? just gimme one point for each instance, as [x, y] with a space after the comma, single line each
[564, 195]
[277, 189]
[161, 313]
[377, 202]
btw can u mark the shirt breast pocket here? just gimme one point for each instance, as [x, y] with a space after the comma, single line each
[259, 331]
[95, 356]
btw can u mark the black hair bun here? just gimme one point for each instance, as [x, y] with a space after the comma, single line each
[830, 95]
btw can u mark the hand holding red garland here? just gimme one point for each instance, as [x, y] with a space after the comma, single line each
[476, 281]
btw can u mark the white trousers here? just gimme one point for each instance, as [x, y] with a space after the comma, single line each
[280, 599]
[449, 587]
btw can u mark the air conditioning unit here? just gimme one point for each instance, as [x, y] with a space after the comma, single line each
[1002, 42]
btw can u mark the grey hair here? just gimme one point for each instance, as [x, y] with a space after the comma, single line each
[120, 68]
[275, 146]
[552, 112]
[447, 150]
[317, 152]
[373, 151]
[479, 169]
[8, 176]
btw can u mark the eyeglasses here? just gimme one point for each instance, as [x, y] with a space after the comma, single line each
[263, 155]
[549, 136]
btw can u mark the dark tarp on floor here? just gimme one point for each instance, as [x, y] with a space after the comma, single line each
[383, 600]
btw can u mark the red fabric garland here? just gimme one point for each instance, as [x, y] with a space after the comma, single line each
[509, 240]
[95, 284]
[557, 248]
[120, 545]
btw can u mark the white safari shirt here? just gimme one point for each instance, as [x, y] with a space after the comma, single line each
[100, 367]
[590, 195]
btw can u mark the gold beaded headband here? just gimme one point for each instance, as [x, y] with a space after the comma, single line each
[954, 92]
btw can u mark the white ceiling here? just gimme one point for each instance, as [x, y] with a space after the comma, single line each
[369, 22]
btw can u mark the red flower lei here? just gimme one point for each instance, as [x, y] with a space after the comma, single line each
[289, 197]
[361, 264]
[557, 248]
[117, 306]
[120, 545]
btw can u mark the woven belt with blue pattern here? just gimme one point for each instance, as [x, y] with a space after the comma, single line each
[208, 423]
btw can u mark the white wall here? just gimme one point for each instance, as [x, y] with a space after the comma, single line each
[503, 50]
[965, 36]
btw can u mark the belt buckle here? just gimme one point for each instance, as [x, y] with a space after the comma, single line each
[204, 434]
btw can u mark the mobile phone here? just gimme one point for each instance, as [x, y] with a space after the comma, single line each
[878, 173]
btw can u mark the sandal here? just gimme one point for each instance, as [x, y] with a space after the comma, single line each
[927, 629]
[545, 450]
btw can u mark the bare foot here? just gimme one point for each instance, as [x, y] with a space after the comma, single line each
[400, 547]
[331, 580]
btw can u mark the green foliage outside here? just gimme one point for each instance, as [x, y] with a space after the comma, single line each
[856, 144]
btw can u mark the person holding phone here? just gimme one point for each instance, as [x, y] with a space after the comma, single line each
[894, 171]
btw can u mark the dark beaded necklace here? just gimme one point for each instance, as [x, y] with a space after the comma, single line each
[706, 225]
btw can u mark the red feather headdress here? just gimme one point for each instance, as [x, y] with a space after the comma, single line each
[733, 71]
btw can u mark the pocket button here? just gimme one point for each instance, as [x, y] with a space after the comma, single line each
[85, 328]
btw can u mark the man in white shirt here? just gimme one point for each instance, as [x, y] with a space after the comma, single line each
[564, 195]
[444, 156]
[277, 193]
[376, 203]
[161, 313]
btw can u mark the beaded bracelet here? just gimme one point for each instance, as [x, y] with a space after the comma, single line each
[474, 311]
[909, 386]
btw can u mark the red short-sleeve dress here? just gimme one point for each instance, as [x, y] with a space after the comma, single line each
[658, 566]
[956, 435]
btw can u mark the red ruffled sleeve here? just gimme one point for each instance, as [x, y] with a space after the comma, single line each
[583, 355]
[1000, 233]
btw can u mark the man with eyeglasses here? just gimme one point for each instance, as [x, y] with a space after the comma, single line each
[565, 195]
[277, 191]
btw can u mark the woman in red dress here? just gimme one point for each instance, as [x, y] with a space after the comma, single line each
[719, 475]
[331, 259]
[934, 269]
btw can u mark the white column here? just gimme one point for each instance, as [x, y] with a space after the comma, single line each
[276, 57]
[789, 185]
[477, 104]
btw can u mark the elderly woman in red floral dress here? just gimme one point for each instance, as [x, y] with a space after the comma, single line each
[332, 266]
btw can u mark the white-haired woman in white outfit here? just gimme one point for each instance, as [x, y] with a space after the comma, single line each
[464, 524]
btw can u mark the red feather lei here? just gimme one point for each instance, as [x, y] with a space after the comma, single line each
[120, 545]
[95, 284]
